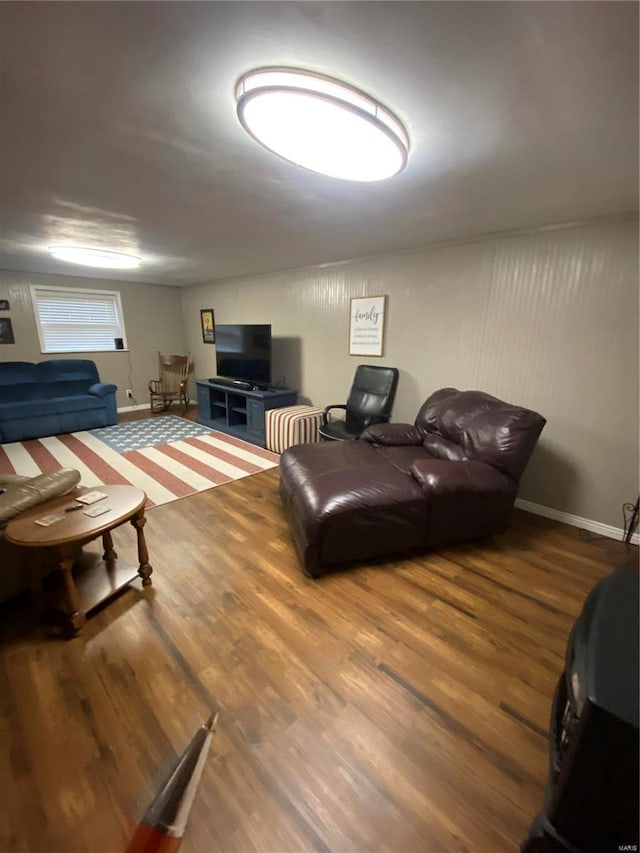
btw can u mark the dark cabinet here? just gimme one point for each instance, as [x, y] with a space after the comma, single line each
[591, 798]
[255, 419]
[238, 411]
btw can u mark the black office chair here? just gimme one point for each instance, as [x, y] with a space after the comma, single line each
[370, 402]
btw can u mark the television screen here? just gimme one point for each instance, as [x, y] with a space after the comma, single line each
[244, 352]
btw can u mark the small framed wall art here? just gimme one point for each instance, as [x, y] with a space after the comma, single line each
[4, 304]
[366, 325]
[6, 331]
[208, 326]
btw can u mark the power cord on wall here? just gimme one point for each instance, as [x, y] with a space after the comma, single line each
[130, 379]
[630, 516]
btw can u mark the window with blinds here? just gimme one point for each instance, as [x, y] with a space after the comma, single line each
[73, 320]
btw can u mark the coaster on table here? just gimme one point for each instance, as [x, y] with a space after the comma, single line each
[48, 520]
[91, 497]
[96, 510]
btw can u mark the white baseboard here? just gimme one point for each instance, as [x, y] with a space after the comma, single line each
[140, 406]
[135, 408]
[576, 521]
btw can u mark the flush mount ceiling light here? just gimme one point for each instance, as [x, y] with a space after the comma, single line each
[321, 124]
[88, 257]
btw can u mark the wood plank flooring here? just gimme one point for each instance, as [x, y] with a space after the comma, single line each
[401, 707]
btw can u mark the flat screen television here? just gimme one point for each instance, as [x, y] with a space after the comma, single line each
[243, 353]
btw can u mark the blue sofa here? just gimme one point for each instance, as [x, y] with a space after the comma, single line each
[63, 395]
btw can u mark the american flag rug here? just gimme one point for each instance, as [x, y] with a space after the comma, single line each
[168, 457]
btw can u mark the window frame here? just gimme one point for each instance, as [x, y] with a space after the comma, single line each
[79, 291]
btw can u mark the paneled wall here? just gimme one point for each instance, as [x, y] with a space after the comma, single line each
[152, 317]
[547, 319]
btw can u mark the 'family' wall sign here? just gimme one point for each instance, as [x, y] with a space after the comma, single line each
[366, 329]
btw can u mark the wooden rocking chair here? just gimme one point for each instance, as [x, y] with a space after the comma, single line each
[172, 384]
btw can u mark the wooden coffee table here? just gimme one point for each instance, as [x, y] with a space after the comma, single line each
[87, 578]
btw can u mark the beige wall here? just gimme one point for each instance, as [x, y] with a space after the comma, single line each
[152, 318]
[548, 320]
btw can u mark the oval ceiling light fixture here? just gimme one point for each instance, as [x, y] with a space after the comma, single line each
[321, 124]
[89, 257]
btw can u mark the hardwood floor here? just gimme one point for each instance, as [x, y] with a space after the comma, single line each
[401, 707]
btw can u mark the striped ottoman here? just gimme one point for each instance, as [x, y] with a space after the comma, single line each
[291, 425]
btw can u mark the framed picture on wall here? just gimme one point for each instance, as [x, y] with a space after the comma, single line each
[366, 325]
[4, 304]
[208, 326]
[6, 331]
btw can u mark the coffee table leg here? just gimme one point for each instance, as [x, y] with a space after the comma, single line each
[75, 618]
[145, 569]
[107, 544]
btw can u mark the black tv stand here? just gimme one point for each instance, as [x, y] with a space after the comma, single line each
[238, 410]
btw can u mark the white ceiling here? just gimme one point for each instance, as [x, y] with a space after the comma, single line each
[119, 130]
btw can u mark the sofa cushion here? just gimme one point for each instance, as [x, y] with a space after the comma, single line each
[68, 370]
[17, 372]
[503, 438]
[393, 434]
[27, 409]
[65, 388]
[439, 478]
[448, 412]
[469, 496]
[77, 403]
[486, 428]
[20, 380]
[442, 448]
[21, 393]
[312, 459]
[402, 457]
[341, 516]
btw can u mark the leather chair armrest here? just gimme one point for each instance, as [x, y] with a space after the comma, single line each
[393, 434]
[325, 414]
[102, 389]
[440, 477]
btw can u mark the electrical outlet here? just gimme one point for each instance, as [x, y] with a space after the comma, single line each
[130, 393]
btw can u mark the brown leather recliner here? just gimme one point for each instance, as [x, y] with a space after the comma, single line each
[401, 488]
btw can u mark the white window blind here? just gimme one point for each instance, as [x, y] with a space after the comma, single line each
[72, 320]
